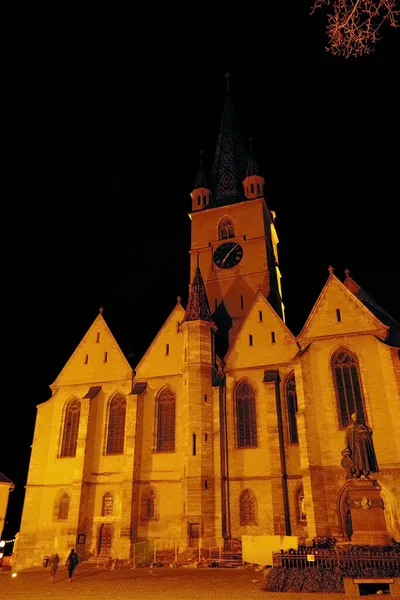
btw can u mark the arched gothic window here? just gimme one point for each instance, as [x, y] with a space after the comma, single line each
[63, 507]
[226, 229]
[71, 426]
[166, 421]
[347, 385]
[116, 425]
[246, 425]
[148, 504]
[108, 504]
[248, 508]
[291, 403]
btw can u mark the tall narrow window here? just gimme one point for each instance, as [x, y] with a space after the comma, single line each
[98, 337]
[246, 425]
[338, 315]
[116, 425]
[105, 357]
[248, 508]
[347, 385]
[260, 316]
[63, 507]
[86, 359]
[166, 421]
[226, 229]
[291, 403]
[272, 337]
[71, 426]
[167, 349]
[250, 339]
[148, 504]
[108, 505]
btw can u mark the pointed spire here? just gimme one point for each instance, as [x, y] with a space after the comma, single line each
[201, 179]
[330, 269]
[198, 307]
[230, 159]
[252, 167]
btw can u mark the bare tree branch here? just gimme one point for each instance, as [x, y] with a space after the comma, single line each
[354, 26]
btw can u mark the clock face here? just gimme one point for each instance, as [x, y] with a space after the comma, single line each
[228, 255]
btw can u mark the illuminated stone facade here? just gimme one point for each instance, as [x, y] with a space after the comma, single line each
[229, 425]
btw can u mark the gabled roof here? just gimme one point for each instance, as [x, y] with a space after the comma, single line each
[175, 316]
[4, 479]
[284, 347]
[393, 338]
[368, 320]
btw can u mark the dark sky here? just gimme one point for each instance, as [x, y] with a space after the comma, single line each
[103, 126]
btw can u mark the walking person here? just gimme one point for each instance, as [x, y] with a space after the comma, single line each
[54, 560]
[71, 563]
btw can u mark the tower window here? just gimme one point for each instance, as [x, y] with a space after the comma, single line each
[167, 349]
[178, 326]
[105, 357]
[226, 229]
[338, 315]
[241, 301]
[272, 337]
[198, 200]
[98, 337]
[86, 359]
[205, 397]
[259, 188]
[250, 339]
[205, 437]
[260, 316]
[194, 444]
[206, 485]
[252, 188]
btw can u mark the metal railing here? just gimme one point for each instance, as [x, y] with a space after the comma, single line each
[346, 560]
[181, 551]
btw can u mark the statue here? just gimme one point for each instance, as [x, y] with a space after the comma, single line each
[359, 455]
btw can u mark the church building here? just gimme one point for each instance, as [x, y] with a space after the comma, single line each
[229, 425]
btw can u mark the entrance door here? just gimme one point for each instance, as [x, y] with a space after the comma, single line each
[105, 539]
[194, 534]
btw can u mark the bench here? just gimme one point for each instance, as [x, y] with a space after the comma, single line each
[372, 585]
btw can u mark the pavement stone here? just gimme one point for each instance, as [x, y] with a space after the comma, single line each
[159, 583]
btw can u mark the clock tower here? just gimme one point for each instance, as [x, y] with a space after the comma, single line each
[233, 235]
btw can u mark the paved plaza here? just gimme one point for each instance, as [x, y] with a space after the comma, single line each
[160, 583]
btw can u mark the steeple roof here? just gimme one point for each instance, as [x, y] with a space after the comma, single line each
[198, 307]
[230, 159]
[252, 167]
[201, 179]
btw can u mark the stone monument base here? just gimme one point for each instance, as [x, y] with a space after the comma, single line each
[366, 511]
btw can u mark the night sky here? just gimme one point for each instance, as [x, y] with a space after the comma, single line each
[103, 127]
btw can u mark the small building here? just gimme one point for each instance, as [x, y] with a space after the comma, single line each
[6, 486]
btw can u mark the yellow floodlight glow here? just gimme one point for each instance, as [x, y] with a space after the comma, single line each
[14, 575]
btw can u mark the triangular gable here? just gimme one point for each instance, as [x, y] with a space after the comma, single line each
[164, 355]
[98, 358]
[375, 308]
[338, 311]
[263, 338]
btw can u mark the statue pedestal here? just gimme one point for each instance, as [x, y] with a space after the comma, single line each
[366, 511]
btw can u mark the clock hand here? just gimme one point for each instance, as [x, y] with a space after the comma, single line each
[231, 250]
